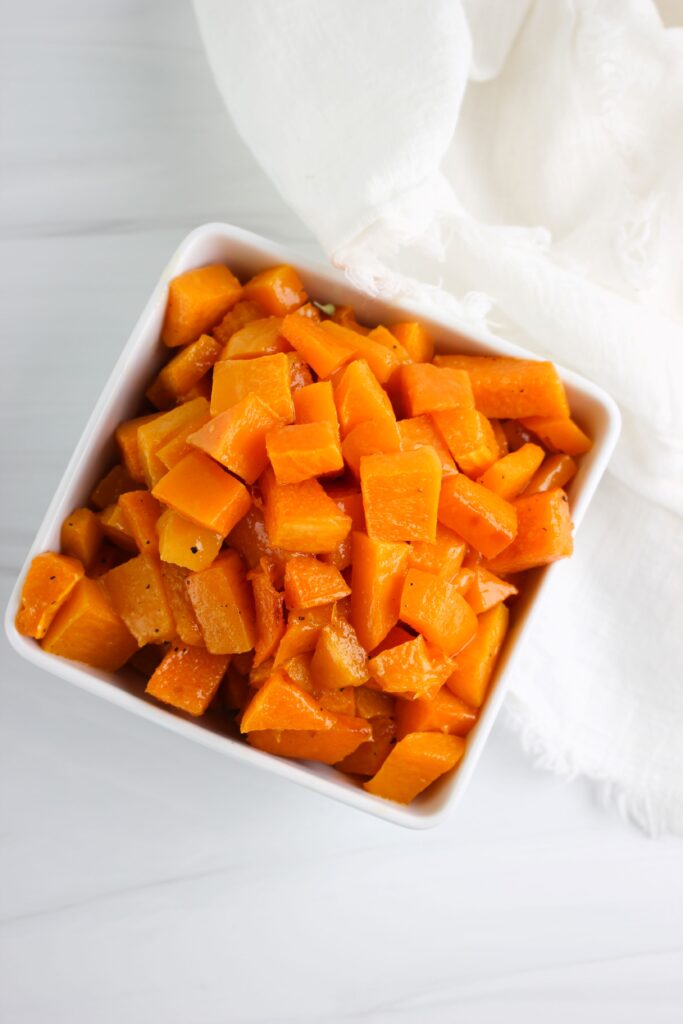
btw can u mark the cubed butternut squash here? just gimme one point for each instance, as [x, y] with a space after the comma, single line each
[483, 519]
[473, 667]
[371, 437]
[241, 314]
[544, 533]
[510, 388]
[469, 438]
[411, 669]
[310, 583]
[281, 704]
[197, 301]
[278, 290]
[267, 377]
[510, 475]
[48, 583]
[136, 590]
[257, 338]
[199, 489]
[328, 746]
[183, 542]
[223, 602]
[175, 587]
[140, 513]
[237, 437]
[187, 678]
[415, 340]
[323, 351]
[157, 433]
[425, 388]
[183, 372]
[378, 569]
[339, 659]
[81, 536]
[415, 762]
[556, 471]
[420, 432]
[559, 434]
[303, 450]
[485, 590]
[301, 517]
[269, 615]
[359, 396]
[368, 758]
[445, 713]
[88, 629]
[401, 494]
[435, 608]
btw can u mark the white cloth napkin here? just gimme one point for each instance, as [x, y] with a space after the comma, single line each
[519, 161]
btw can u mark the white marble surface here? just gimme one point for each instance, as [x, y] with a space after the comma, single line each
[144, 879]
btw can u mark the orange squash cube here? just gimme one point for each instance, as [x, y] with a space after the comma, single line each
[81, 536]
[371, 437]
[544, 533]
[559, 434]
[314, 403]
[425, 388]
[339, 702]
[88, 629]
[384, 337]
[257, 338]
[473, 667]
[434, 607]
[378, 569]
[323, 351]
[155, 434]
[278, 290]
[510, 475]
[443, 558]
[241, 314]
[415, 340]
[469, 437]
[359, 397]
[412, 669]
[183, 372]
[445, 713]
[420, 432]
[200, 490]
[49, 581]
[185, 543]
[136, 590]
[197, 301]
[415, 763]
[303, 450]
[267, 377]
[510, 388]
[349, 501]
[250, 539]
[115, 528]
[281, 704]
[126, 436]
[368, 758]
[309, 583]
[302, 632]
[301, 517]
[237, 437]
[381, 357]
[175, 587]
[140, 512]
[224, 605]
[270, 619]
[328, 746]
[107, 557]
[187, 678]
[485, 590]
[483, 519]
[401, 494]
[339, 660]
[371, 703]
[556, 471]
[112, 485]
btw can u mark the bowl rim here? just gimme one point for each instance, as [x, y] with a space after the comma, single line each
[414, 815]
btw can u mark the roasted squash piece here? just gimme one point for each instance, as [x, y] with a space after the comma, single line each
[369, 438]
[302, 632]
[175, 587]
[372, 703]
[556, 471]
[544, 533]
[434, 607]
[483, 519]
[443, 557]
[303, 450]
[415, 340]
[420, 432]
[112, 485]
[136, 590]
[197, 301]
[339, 659]
[188, 678]
[485, 590]
[473, 667]
[270, 619]
[359, 396]
[469, 437]
[310, 583]
[348, 500]
[200, 490]
[183, 372]
[241, 314]
[158, 432]
[510, 388]
[425, 388]
[278, 290]
[126, 436]
[281, 704]
[314, 403]
[140, 512]
[185, 543]
[510, 475]
[415, 763]
[377, 575]
[49, 581]
[115, 528]
[224, 605]
[301, 517]
[445, 713]
[412, 669]
[267, 377]
[328, 746]
[237, 437]
[368, 758]
[401, 494]
[81, 536]
[559, 434]
[257, 338]
[323, 351]
[88, 629]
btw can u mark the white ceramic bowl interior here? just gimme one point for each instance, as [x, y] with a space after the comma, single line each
[246, 254]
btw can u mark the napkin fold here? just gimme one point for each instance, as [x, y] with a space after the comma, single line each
[519, 162]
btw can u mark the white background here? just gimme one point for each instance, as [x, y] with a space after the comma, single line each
[143, 879]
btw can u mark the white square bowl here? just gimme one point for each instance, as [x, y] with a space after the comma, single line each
[246, 254]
